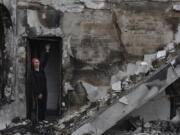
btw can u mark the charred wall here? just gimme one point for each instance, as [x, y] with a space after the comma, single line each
[99, 39]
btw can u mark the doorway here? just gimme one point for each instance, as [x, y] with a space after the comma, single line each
[53, 71]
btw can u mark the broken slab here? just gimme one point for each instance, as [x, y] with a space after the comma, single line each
[149, 58]
[124, 100]
[119, 76]
[140, 95]
[117, 86]
[95, 93]
[176, 8]
[131, 68]
[157, 108]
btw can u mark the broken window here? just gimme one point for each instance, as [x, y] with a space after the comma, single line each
[5, 23]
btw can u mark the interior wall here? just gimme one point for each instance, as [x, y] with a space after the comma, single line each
[53, 78]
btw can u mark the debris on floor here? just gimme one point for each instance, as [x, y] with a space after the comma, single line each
[26, 127]
[137, 126]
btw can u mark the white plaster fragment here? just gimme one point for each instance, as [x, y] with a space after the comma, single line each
[119, 76]
[95, 93]
[94, 4]
[170, 47]
[67, 86]
[131, 68]
[124, 100]
[176, 7]
[161, 54]
[117, 86]
[149, 58]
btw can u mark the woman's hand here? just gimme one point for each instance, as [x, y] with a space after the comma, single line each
[40, 96]
[47, 47]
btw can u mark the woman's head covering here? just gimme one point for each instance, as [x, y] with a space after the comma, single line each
[34, 59]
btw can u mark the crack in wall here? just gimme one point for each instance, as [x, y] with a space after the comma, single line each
[119, 33]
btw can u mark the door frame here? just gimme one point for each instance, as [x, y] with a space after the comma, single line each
[28, 71]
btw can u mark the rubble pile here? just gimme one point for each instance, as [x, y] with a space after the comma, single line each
[136, 72]
[134, 126]
[27, 127]
[121, 83]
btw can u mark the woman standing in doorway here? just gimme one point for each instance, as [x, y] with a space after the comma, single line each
[39, 85]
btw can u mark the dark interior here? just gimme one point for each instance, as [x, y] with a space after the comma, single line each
[52, 70]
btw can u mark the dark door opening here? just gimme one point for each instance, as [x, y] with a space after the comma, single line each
[53, 72]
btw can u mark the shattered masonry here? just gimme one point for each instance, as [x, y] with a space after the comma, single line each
[117, 56]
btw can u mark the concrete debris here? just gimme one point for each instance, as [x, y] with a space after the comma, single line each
[176, 7]
[67, 87]
[161, 54]
[118, 77]
[126, 83]
[117, 86]
[131, 68]
[143, 67]
[26, 127]
[95, 93]
[149, 58]
[124, 100]
[170, 47]
[136, 126]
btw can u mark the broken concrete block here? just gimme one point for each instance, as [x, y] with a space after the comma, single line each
[117, 86]
[149, 58]
[117, 77]
[170, 47]
[95, 93]
[161, 54]
[131, 68]
[114, 79]
[124, 100]
[142, 67]
[176, 7]
[67, 87]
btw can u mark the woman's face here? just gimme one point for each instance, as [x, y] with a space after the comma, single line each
[36, 63]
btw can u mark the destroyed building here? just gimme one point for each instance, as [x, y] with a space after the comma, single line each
[110, 60]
